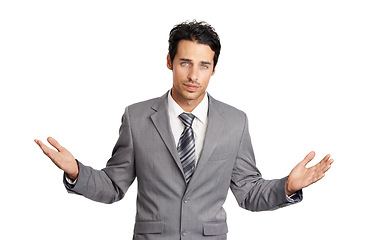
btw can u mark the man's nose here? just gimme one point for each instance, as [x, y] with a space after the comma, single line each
[193, 74]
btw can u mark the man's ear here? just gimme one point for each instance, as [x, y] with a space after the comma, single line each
[213, 72]
[168, 62]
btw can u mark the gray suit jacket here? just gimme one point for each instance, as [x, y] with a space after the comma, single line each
[168, 208]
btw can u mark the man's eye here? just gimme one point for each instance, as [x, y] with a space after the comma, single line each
[204, 66]
[184, 64]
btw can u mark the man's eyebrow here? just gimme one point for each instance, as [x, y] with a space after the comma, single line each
[185, 59]
[190, 60]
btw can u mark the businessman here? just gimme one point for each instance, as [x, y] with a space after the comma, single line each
[186, 150]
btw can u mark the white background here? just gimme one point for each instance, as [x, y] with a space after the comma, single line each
[299, 69]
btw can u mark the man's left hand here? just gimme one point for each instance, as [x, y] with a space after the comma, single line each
[301, 177]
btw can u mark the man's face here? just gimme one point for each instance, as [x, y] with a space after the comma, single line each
[192, 68]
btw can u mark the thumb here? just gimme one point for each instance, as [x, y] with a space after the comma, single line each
[55, 144]
[308, 158]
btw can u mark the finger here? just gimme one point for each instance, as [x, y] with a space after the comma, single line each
[55, 144]
[47, 151]
[327, 166]
[322, 163]
[41, 145]
[308, 158]
[319, 172]
[325, 159]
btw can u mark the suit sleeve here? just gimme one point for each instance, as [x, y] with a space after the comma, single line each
[251, 191]
[111, 183]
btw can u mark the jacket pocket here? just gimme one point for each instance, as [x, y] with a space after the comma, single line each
[146, 227]
[215, 228]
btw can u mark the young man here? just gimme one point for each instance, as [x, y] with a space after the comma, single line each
[186, 150]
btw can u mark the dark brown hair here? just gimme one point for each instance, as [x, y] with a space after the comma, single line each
[200, 32]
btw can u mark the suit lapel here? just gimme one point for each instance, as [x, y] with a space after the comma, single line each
[162, 123]
[214, 129]
[213, 133]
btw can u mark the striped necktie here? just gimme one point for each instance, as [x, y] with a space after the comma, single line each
[186, 146]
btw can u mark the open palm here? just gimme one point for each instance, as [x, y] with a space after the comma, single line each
[301, 177]
[62, 157]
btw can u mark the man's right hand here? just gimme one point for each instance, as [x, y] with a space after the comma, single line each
[61, 158]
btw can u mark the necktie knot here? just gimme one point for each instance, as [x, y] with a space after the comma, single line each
[187, 119]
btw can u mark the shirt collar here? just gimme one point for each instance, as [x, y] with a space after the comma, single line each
[200, 111]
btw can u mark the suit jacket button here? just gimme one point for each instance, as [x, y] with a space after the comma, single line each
[184, 233]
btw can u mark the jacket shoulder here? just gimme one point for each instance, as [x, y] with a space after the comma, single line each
[227, 110]
[144, 104]
[141, 111]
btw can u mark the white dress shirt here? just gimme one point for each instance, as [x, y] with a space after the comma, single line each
[199, 124]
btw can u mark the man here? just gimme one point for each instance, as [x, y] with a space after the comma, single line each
[186, 150]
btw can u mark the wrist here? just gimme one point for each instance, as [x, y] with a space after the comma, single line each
[289, 190]
[74, 172]
[73, 177]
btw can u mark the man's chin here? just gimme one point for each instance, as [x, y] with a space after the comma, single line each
[191, 96]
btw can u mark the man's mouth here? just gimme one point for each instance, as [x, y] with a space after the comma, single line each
[191, 87]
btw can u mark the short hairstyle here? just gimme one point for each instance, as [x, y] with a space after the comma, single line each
[200, 32]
